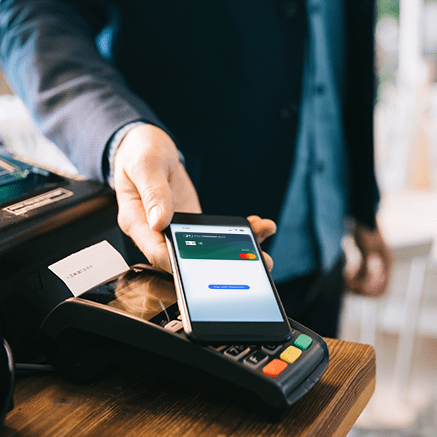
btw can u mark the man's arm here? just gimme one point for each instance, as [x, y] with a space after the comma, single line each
[77, 99]
[372, 277]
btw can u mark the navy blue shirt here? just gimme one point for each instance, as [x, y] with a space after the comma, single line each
[310, 225]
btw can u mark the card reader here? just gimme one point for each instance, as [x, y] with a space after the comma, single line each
[133, 322]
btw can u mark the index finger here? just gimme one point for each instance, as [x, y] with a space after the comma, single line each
[263, 228]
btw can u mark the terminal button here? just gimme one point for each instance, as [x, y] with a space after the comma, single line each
[303, 342]
[291, 354]
[256, 359]
[237, 352]
[174, 325]
[275, 368]
[271, 349]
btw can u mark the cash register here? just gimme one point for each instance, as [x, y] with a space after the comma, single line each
[44, 216]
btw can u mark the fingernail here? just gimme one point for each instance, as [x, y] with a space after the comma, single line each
[154, 215]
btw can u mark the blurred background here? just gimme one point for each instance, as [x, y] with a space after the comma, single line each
[402, 325]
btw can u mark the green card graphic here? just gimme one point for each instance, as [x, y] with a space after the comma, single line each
[231, 247]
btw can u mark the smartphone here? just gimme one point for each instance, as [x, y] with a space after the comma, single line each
[225, 292]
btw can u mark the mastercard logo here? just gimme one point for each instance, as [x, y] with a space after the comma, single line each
[247, 256]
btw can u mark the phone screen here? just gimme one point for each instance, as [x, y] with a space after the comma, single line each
[222, 274]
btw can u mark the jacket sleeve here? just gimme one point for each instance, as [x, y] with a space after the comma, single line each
[77, 99]
[359, 110]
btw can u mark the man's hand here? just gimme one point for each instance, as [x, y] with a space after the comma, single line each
[151, 184]
[372, 276]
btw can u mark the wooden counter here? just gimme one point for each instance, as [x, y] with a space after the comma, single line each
[128, 404]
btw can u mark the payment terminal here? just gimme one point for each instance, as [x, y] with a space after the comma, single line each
[133, 322]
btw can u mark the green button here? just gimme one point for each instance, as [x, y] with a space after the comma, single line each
[303, 342]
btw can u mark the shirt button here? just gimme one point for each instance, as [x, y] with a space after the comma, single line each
[319, 89]
[315, 8]
[288, 111]
[289, 9]
[319, 167]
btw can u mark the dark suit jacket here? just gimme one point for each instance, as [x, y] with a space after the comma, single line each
[223, 78]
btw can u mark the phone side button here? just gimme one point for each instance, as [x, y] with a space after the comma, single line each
[237, 352]
[256, 358]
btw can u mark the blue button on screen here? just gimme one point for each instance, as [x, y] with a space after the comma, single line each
[228, 287]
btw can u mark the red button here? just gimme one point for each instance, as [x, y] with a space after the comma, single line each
[274, 368]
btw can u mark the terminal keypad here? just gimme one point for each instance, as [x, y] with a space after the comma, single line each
[272, 360]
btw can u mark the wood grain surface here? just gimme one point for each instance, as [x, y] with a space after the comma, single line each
[131, 404]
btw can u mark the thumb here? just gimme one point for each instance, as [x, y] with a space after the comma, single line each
[156, 196]
[142, 173]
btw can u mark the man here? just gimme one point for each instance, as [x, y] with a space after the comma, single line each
[269, 102]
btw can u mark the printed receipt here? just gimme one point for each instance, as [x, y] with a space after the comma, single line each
[90, 267]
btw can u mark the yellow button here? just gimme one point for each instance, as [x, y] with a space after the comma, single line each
[291, 354]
